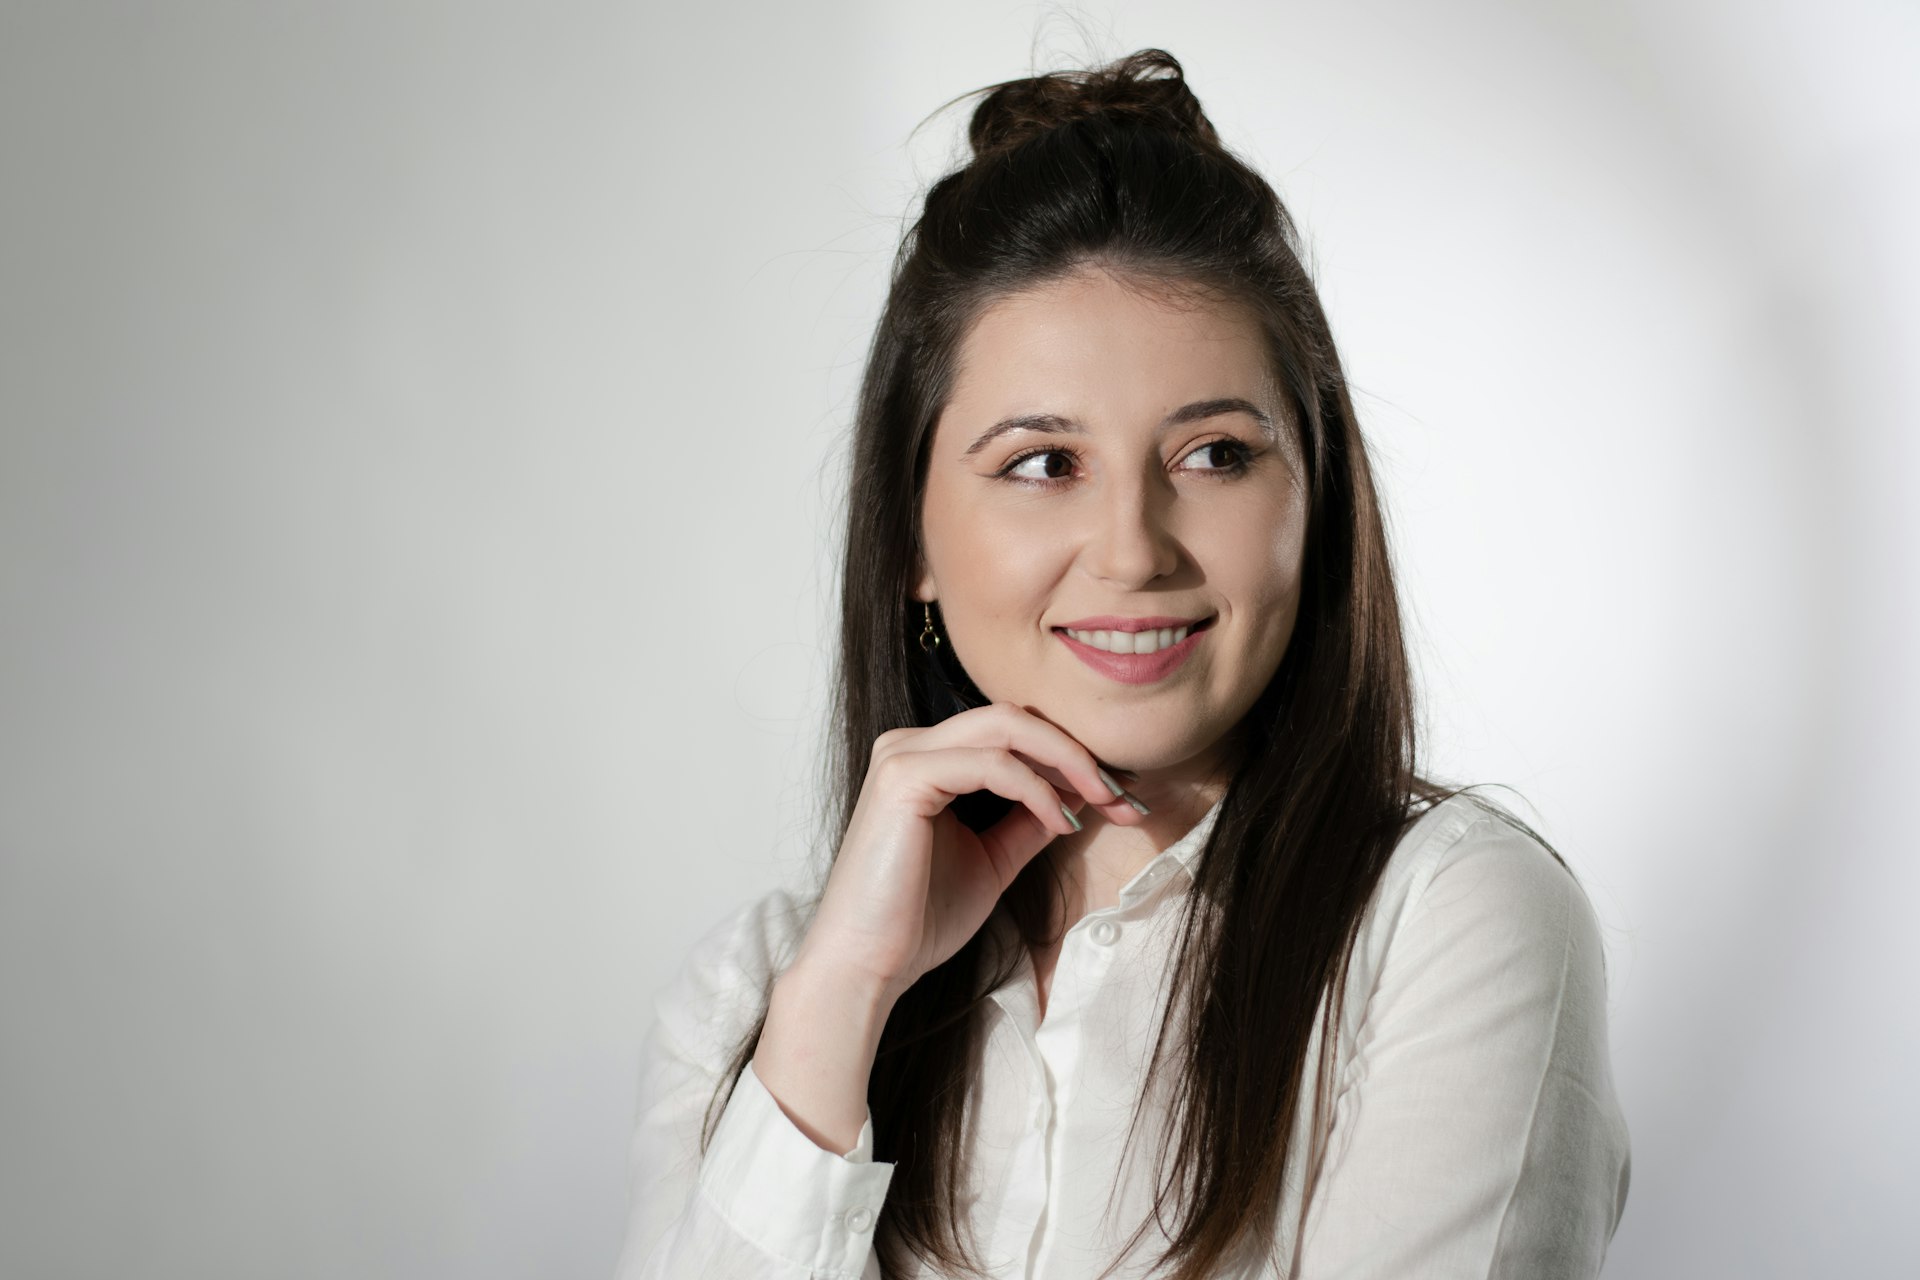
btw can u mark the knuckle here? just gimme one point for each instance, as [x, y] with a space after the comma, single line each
[1004, 758]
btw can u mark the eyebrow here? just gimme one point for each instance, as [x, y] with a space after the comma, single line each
[1055, 424]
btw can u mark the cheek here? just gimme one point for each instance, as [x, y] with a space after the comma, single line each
[990, 559]
[1257, 548]
[1285, 566]
[1261, 571]
[1284, 571]
[1286, 538]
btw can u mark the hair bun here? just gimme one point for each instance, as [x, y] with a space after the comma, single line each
[1132, 89]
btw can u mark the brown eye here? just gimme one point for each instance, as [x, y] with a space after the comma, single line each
[1053, 464]
[1224, 455]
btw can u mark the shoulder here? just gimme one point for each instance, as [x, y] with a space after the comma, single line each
[1475, 1101]
[1469, 888]
[720, 986]
[1465, 849]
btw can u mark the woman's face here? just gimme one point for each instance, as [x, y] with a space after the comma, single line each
[1110, 458]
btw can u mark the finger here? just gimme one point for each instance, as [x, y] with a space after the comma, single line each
[1110, 804]
[1011, 843]
[930, 780]
[1115, 778]
[1006, 725]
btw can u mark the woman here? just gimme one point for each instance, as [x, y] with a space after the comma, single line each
[1144, 945]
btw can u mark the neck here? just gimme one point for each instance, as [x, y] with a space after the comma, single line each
[1095, 864]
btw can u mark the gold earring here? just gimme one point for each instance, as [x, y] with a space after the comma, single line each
[928, 637]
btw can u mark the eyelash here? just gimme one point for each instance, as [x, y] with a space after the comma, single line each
[1238, 468]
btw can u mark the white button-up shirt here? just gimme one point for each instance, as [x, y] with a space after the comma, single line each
[1475, 1127]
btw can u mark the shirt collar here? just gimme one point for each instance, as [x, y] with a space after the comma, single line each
[1183, 854]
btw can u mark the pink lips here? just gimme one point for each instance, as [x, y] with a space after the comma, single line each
[1134, 668]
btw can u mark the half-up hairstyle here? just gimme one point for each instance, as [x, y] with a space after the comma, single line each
[1119, 167]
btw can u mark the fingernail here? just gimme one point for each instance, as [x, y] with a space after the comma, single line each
[1112, 786]
[1141, 808]
[1075, 821]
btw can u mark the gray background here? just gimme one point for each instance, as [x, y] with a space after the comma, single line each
[420, 436]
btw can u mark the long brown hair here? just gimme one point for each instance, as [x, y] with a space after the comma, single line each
[1120, 166]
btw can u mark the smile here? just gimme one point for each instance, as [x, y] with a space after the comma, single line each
[1135, 657]
[1131, 641]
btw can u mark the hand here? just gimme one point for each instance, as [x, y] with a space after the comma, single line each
[912, 883]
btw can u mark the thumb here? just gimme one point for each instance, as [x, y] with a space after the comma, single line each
[1017, 839]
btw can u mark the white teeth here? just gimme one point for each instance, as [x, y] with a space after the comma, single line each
[1130, 641]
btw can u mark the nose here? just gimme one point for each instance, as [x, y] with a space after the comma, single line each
[1131, 542]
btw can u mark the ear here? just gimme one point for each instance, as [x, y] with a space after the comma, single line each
[923, 590]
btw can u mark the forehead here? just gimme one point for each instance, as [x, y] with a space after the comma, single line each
[1108, 344]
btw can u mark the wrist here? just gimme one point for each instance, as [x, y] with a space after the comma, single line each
[850, 998]
[817, 1048]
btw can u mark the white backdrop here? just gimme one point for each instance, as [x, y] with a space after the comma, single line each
[420, 434]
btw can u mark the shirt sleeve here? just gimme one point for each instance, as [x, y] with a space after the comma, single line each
[1476, 1132]
[765, 1202]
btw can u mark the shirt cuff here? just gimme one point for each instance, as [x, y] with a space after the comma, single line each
[789, 1197]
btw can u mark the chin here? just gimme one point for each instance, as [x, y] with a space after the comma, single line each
[1120, 739]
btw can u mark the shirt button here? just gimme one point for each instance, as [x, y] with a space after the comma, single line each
[859, 1220]
[1105, 931]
